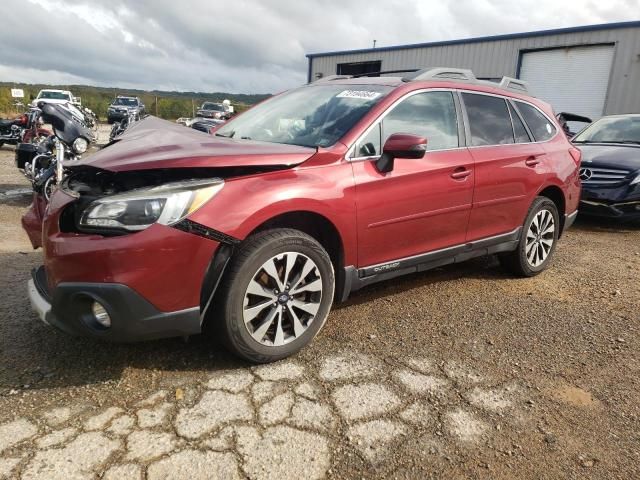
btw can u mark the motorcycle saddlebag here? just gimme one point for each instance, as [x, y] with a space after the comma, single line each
[25, 152]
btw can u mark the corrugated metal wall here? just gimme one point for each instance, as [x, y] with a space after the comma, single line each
[497, 58]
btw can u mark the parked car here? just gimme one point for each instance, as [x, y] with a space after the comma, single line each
[610, 170]
[305, 198]
[123, 107]
[56, 96]
[206, 124]
[213, 110]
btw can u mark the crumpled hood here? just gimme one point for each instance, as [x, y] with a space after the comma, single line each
[153, 143]
[610, 156]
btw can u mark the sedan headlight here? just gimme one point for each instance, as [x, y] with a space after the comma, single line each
[138, 209]
[636, 180]
[80, 145]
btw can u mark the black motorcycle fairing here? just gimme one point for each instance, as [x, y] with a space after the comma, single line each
[65, 126]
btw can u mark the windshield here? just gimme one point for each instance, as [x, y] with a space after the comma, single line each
[53, 95]
[127, 102]
[312, 116]
[612, 130]
[213, 106]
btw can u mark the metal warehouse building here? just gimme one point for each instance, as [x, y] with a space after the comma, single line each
[592, 70]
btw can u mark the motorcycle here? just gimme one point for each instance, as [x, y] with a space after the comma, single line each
[118, 128]
[43, 164]
[34, 131]
[26, 128]
[91, 120]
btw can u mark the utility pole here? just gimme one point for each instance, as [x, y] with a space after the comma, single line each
[374, 43]
[156, 105]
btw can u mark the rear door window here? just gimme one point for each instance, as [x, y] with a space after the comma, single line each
[489, 121]
[540, 126]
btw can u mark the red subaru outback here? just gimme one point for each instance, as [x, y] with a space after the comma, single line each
[309, 196]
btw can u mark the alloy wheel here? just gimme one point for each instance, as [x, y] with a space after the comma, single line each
[540, 238]
[282, 299]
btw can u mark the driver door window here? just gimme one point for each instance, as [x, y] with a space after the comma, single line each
[431, 115]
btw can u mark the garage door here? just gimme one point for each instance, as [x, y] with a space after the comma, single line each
[571, 79]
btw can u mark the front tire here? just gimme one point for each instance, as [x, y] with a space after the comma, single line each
[538, 241]
[275, 296]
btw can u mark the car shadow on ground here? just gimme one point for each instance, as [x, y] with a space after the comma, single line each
[482, 268]
[38, 356]
[605, 224]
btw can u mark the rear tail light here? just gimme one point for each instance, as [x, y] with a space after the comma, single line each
[575, 154]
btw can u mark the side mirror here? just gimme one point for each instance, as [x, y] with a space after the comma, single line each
[400, 145]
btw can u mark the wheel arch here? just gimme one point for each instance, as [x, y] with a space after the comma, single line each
[312, 223]
[321, 229]
[556, 195]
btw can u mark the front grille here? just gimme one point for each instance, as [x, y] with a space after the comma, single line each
[602, 176]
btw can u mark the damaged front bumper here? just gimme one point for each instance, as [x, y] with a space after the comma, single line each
[131, 317]
[629, 210]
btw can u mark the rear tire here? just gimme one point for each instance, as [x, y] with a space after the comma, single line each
[275, 296]
[538, 240]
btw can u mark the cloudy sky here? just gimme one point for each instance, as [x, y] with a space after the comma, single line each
[246, 46]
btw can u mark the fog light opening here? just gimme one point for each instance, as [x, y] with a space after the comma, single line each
[100, 315]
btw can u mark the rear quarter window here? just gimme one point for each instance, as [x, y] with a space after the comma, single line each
[539, 125]
[519, 130]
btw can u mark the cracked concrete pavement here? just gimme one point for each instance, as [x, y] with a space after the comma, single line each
[237, 424]
[463, 372]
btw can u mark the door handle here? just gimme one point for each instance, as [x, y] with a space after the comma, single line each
[532, 161]
[460, 173]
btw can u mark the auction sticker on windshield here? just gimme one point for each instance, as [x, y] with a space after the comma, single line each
[363, 94]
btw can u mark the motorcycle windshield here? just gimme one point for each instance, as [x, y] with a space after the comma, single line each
[65, 126]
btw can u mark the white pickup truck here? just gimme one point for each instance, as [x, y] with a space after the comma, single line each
[56, 96]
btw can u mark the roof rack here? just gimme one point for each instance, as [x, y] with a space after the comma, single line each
[466, 75]
[440, 73]
[514, 84]
[384, 72]
[462, 74]
[329, 78]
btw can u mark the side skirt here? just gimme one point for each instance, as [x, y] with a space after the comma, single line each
[357, 278]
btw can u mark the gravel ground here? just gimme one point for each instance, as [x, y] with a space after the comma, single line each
[462, 372]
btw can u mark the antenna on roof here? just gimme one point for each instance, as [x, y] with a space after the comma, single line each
[374, 43]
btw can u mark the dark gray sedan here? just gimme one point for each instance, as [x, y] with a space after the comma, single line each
[610, 168]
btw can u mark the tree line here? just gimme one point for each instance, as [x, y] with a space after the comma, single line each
[167, 105]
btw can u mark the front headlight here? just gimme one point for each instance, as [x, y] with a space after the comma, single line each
[138, 209]
[80, 145]
[636, 180]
